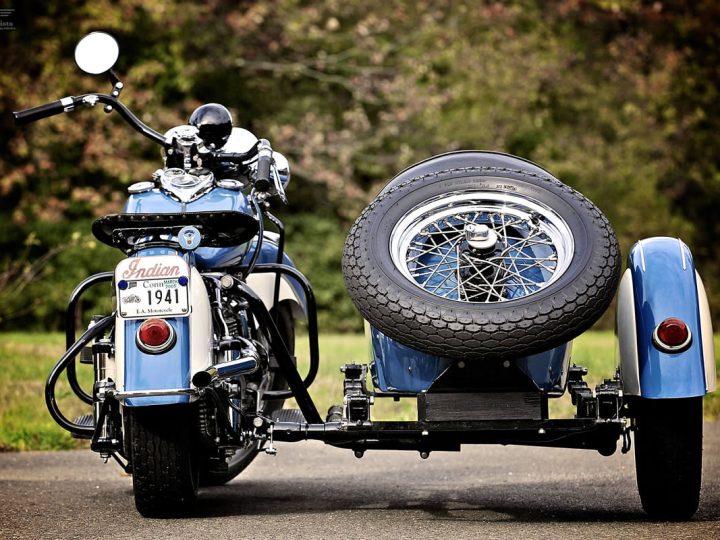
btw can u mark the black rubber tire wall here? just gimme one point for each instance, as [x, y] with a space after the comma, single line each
[164, 459]
[668, 456]
[474, 331]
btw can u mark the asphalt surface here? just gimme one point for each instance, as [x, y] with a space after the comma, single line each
[313, 491]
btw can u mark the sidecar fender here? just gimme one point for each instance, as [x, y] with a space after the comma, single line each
[661, 282]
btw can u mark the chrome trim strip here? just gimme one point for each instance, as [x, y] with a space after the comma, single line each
[682, 254]
[153, 393]
[642, 255]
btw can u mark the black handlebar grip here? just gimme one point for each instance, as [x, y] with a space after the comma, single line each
[43, 111]
[262, 178]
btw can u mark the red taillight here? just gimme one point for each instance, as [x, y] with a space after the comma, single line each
[155, 336]
[671, 335]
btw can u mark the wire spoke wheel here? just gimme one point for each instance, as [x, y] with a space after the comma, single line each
[480, 256]
[481, 247]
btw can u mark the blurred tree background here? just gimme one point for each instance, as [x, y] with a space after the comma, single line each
[617, 98]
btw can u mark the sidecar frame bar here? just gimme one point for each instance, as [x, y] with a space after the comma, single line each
[577, 433]
[298, 387]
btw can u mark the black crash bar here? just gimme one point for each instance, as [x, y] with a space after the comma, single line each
[67, 359]
[279, 269]
[70, 329]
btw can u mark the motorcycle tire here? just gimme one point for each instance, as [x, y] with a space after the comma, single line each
[668, 456]
[245, 456]
[492, 259]
[164, 459]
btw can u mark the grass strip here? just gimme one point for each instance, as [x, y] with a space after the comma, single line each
[27, 358]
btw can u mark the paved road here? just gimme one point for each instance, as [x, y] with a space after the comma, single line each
[312, 491]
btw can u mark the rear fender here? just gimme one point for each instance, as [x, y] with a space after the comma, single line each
[661, 282]
[192, 352]
[264, 284]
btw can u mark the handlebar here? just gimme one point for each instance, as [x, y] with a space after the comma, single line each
[236, 157]
[262, 149]
[71, 102]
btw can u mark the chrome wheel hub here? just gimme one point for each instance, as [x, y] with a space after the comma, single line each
[481, 246]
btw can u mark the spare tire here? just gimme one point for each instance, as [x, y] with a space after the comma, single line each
[492, 259]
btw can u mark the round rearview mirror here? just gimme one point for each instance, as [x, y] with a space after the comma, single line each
[96, 53]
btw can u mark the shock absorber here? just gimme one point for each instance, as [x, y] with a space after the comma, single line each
[101, 355]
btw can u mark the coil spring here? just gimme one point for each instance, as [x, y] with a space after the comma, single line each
[203, 418]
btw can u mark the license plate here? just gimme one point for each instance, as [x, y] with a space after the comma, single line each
[152, 287]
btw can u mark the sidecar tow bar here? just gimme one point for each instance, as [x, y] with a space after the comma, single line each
[582, 433]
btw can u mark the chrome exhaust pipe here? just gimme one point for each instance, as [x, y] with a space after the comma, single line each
[225, 370]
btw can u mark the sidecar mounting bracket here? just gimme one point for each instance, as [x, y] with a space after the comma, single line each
[490, 419]
[356, 400]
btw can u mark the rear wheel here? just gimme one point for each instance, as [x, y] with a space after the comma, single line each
[164, 459]
[244, 456]
[668, 456]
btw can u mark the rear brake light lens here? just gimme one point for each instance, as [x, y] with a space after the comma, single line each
[672, 335]
[155, 336]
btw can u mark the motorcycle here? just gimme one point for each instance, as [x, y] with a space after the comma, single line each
[474, 272]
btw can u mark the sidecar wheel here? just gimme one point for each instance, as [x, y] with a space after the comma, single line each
[481, 262]
[164, 460]
[668, 456]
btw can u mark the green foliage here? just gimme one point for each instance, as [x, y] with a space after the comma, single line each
[618, 99]
[34, 294]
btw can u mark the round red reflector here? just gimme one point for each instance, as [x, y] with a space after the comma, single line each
[672, 333]
[154, 333]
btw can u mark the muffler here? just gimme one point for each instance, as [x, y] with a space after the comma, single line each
[226, 370]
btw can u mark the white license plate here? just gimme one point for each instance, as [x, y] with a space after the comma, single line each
[152, 287]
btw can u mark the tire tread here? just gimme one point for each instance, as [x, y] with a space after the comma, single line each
[164, 479]
[481, 333]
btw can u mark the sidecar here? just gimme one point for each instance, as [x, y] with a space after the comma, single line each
[474, 272]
